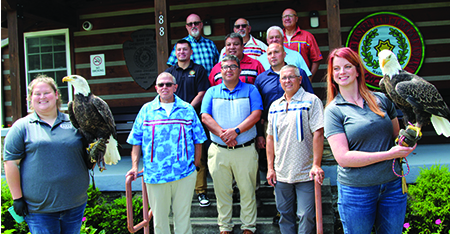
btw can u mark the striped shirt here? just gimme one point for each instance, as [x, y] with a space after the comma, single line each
[250, 69]
[167, 141]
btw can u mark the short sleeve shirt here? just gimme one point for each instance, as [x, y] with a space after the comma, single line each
[250, 69]
[365, 131]
[304, 42]
[292, 126]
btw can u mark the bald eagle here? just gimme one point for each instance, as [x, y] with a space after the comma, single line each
[418, 99]
[92, 116]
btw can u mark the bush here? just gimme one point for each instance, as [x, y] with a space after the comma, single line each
[9, 225]
[100, 215]
[429, 202]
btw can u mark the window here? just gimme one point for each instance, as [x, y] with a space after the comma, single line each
[48, 53]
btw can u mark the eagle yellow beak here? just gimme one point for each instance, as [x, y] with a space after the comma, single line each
[67, 79]
[383, 62]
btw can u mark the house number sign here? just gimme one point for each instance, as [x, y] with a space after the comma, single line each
[161, 29]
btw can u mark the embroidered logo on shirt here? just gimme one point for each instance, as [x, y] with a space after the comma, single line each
[66, 125]
[192, 73]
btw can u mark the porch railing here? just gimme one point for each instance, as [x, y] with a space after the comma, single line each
[147, 213]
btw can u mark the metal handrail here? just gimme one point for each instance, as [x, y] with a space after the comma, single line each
[147, 213]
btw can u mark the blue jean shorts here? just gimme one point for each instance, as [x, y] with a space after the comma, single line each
[382, 206]
[64, 222]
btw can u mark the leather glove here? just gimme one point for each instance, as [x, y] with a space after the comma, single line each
[20, 206]
[408, 137]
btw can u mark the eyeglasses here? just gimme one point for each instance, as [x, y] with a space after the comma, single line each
[232, 67]
[238, 26]
[168, 85]
[291, 78]
[289, 16]
[196, 23]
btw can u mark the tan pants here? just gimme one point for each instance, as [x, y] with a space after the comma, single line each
[178, 195]
[242, 165]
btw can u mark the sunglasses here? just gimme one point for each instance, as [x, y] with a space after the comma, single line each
[238, 26]
[166, 84]
[196, 23]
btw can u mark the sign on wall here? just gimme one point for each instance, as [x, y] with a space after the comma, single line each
[386, 30]
[98, 65]
[140, 57]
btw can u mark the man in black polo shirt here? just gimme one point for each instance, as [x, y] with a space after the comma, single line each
[192, 81]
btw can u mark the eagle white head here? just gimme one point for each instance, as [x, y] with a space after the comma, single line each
[79, 83]
[388, 63]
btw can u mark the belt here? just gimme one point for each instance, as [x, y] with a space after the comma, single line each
[248, 143]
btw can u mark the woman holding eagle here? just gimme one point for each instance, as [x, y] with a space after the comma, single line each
[46, 164]
[361, 126]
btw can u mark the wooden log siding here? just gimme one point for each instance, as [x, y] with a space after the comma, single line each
[113, 25]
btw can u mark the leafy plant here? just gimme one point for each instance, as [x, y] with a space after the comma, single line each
[429, 202]
[9, 225]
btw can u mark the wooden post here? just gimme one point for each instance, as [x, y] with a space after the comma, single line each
[334, 24]
[162, 34]
[17, 63]
[318, 200]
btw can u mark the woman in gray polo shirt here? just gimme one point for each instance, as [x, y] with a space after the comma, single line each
[361, 127]
[44, 164]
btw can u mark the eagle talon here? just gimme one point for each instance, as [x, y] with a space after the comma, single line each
[408, 137]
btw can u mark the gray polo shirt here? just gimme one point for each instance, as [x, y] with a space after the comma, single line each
[54, 176]
[365, 131]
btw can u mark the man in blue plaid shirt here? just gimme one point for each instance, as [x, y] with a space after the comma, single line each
[204, 50]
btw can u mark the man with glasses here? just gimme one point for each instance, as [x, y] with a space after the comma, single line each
[294, 152]
[252, 46]
[230, 111]
[250, 68]
[170, 135]
[192, 82]
[204, 50]
[301, 41]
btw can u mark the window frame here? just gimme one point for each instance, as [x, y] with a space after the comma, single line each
[55, 32]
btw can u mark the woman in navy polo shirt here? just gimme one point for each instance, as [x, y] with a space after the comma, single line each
[44, 164]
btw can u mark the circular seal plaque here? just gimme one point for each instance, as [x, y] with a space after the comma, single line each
[386, 30]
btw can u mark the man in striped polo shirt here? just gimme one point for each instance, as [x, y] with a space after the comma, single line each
[230, 111]
[250, 68]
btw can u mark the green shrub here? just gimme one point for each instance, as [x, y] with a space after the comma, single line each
[100, 215]
[430, 201]
[115, 220]
[8, 222]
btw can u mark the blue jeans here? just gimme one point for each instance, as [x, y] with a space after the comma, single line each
[64, 222]
[381, 205]
[302, 193]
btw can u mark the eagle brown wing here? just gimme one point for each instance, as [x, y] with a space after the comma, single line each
[103, 109]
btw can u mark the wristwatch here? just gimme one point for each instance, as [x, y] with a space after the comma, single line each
[237, 130]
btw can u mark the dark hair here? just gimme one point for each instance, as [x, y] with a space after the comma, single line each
[232, 58]
[235, 35]
[183, 41]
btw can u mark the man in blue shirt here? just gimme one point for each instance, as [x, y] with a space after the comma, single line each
[230, 111]
[204, 50]
[192, 82]
[170, 136]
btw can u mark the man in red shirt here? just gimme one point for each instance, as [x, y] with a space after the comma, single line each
[250, 68]
[301, 41]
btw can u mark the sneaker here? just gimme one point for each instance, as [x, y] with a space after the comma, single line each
[203, 200]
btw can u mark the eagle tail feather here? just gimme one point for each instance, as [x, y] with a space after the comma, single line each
[441, 125]
[112, 155]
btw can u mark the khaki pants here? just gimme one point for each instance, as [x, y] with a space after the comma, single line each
[242, 165]
[178, 195]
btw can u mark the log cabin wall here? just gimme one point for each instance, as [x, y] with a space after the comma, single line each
[114, 22]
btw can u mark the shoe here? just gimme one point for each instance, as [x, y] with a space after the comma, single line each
[225, 232]
[203, 200]
[246, 231]
[276, 219]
